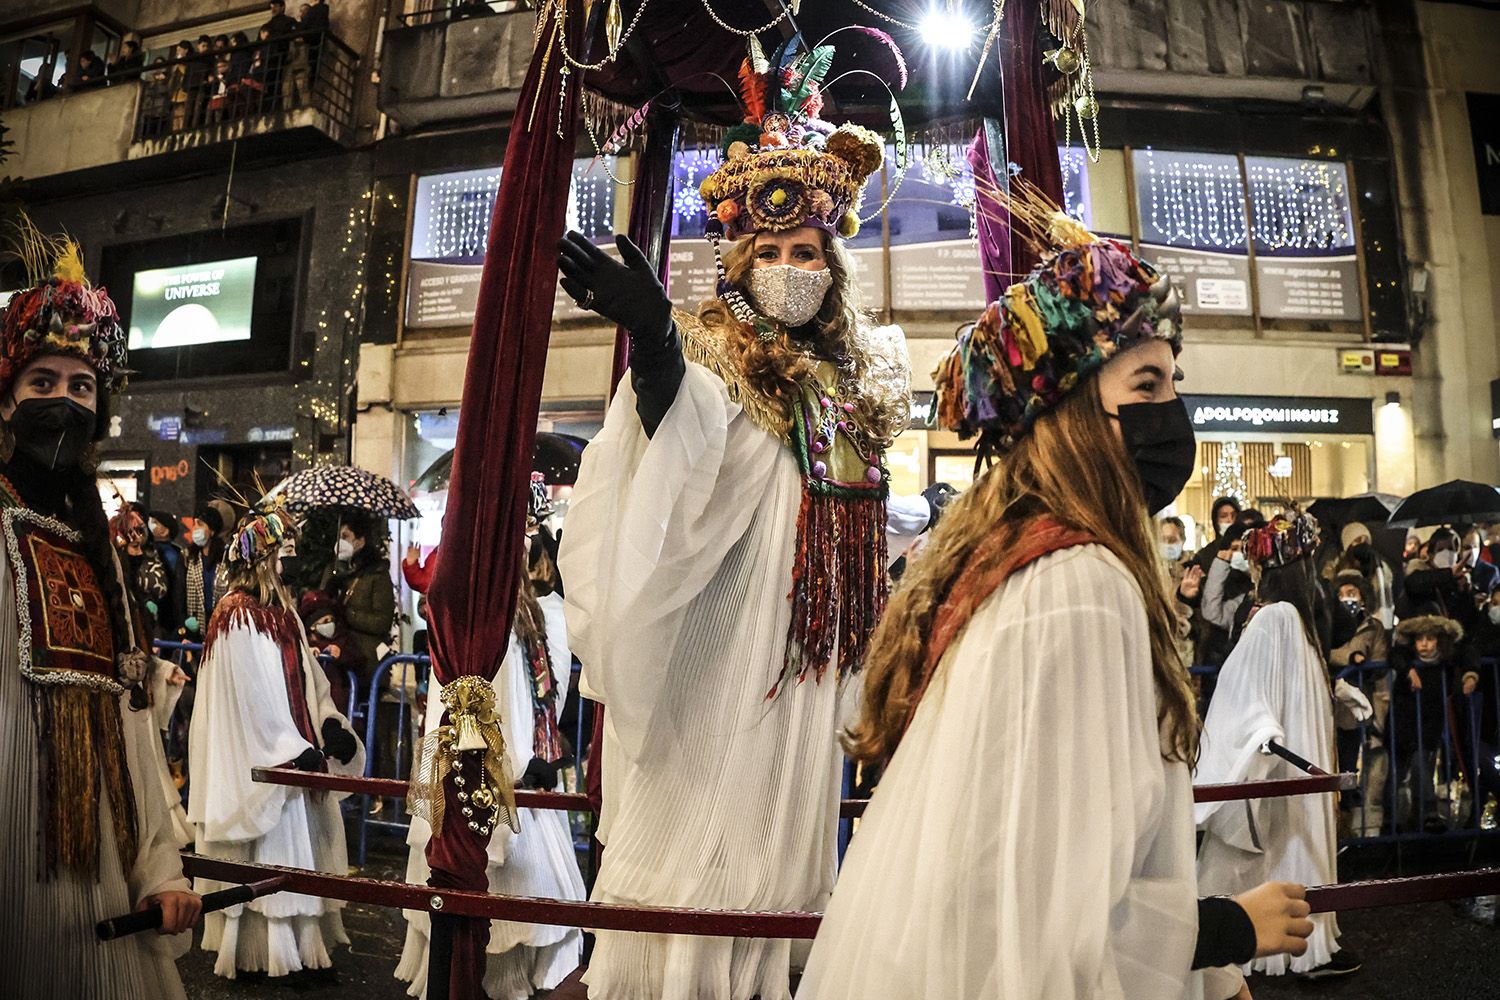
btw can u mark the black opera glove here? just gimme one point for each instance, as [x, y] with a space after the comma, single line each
[625, 292]
[311, 759]
[338, 742]
[540, 775]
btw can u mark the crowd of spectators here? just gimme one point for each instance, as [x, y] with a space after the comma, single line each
[1415, 626]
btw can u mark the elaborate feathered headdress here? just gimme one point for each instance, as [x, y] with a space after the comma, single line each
[784, 167]
[1287, 537]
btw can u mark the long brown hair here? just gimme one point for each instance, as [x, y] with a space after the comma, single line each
[775, 368]
[1073, 468]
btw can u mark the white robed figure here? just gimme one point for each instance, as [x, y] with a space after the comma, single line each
[725, 557]
[1274, 686]
[263, 701]
[538, 861]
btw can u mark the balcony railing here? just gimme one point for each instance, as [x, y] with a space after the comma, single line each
[258, 83]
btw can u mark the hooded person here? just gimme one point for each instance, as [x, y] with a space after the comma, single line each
[726, 548]
[263, 701]
[86, 823]
[530, 691]
[328, 634]
[1430, 664]
[1275, 687]
[1032, 650]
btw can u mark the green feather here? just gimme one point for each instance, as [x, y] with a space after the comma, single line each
[809, 69]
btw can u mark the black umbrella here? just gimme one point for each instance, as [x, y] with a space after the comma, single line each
[1455, 502]
[1370, 508]
[555, 456]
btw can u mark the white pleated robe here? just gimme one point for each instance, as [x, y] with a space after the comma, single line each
[678, 559]
[1028, 840]
[1274, 686]
[241, 720]
[48, 948]
[538, 861]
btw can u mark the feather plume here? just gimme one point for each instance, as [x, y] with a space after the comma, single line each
[883, 39]
[69, 265]
[752, 92]
[44, 256]
[757, 57]
[807, 72]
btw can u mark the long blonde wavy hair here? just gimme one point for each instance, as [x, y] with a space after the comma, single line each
[1073, 468]
[775, 368]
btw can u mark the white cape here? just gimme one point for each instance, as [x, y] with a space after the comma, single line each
[1273, 687]
[1028, 840]
[538, 861]
[241, 721]
[678, 558]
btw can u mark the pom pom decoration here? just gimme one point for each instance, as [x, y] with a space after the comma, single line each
[727, 211]
[849, 225]
[859, 147]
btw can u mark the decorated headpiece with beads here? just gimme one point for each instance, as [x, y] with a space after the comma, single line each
[60, 314]
[1087, 300]
[539, 506]
[1287, 537]
[261, 534]
[784, 167]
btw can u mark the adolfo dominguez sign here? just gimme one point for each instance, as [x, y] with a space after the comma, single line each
[1295, 414]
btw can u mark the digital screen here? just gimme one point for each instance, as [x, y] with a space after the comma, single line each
[193, 304]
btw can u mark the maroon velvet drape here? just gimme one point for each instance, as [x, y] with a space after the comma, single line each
[473, 594]
[1027, 137]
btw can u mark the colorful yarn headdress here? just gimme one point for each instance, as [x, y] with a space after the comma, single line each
[261, 534]
[539, 505]
[784, 167]
[1088, 299]
[62, 313]
[1287, 537]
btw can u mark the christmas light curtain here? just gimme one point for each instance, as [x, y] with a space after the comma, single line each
[473, 594]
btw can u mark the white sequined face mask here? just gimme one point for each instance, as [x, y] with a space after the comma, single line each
[789, 293]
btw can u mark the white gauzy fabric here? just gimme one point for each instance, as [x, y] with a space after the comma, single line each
[538, 861]
[678, 557]
[1273, 686]
[48, 950]
[1053, 860]
[241, 721]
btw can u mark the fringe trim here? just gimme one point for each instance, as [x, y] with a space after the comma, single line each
[838, 585]
[702, 346]
[239, 608]
[81, 745]
[546, 735]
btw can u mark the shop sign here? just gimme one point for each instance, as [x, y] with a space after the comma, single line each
[170, 473]
[1294, 414]
[1311, 288]
[261, 435]
[1395, 361]
[170, 428]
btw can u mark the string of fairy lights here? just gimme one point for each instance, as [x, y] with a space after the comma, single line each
[1198, 200]
[455, 209]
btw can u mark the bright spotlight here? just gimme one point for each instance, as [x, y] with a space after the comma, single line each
[943, 28]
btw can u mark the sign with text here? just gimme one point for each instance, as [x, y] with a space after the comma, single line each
[441, 295]
[1313, 288]
[192, 304]
[1271, 414]
[1208, 282]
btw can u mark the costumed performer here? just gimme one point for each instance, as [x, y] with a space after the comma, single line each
[725, 551]
[1032, 649]
[530, 688]
[86, 826]
[263, 701]
[1275, 686]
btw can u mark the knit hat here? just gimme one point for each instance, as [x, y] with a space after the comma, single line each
[1354, 578]
[1284, 539]
[1087, 300]
[60, 314]
[1351, 533]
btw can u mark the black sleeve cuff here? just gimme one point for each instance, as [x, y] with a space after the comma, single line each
[1225, 934]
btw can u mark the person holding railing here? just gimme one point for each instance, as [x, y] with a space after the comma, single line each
[1431, 664]
[531, 688]
[1275, 687]
[263, 701]
[83, 811]
[1358, 637]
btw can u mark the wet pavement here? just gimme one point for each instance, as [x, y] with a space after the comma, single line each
[1432, 951]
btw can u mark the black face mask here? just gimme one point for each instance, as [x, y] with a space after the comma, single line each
[1159, 440]
[52, 432]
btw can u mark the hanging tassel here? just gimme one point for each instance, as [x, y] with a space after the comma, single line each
[81, 743]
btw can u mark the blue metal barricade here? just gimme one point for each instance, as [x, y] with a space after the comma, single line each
[398, 821]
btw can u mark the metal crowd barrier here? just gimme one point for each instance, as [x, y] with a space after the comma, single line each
[1419, 782]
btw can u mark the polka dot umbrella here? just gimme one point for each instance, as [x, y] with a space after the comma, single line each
[344, 486]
